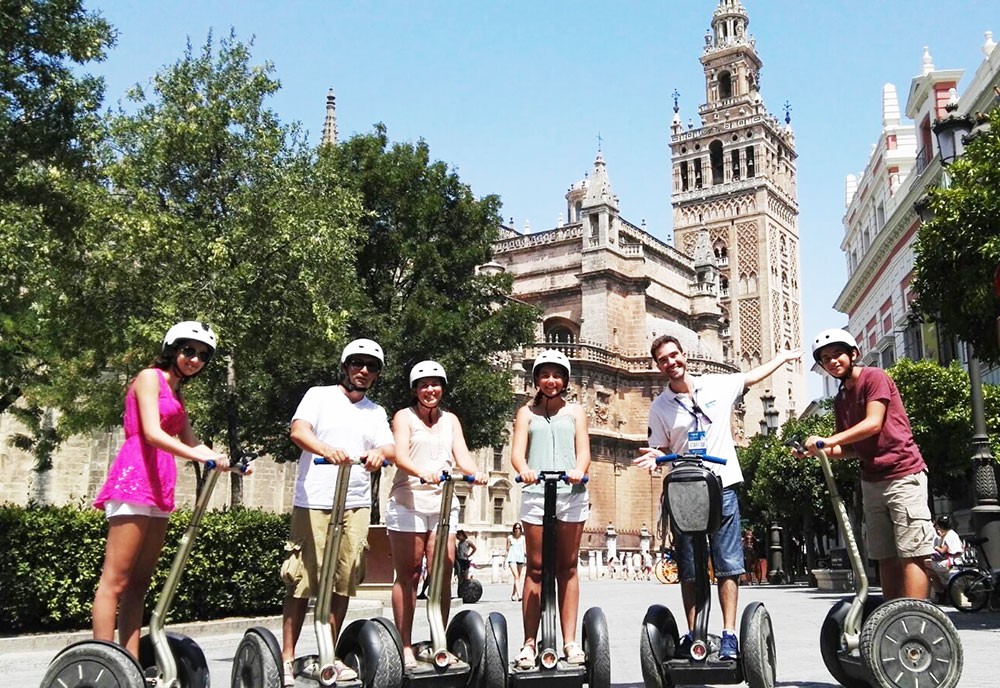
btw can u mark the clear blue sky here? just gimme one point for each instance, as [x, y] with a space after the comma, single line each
[513, 94]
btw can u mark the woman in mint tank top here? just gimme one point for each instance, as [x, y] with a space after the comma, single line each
[138, 493]
[551, 434]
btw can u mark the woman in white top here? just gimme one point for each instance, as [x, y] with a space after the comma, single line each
[429, 440]
[948, 552]
[516, 559]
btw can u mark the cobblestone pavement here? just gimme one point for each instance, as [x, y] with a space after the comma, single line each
[796, 612]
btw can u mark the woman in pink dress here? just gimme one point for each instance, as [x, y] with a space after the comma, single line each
[138, 494]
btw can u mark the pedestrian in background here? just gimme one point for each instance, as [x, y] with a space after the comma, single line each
[138, 493]
[515, 560]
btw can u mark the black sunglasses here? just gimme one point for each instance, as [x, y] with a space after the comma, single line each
[191, 352]
[373, 365]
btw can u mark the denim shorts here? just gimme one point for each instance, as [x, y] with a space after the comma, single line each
[726, 544]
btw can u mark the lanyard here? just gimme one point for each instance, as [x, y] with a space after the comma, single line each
[695, 411]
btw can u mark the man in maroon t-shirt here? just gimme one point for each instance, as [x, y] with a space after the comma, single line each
[871, 424]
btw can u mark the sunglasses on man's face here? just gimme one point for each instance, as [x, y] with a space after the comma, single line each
[191, 352]
[372, 365]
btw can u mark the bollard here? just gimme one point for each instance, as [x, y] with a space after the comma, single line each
[775, 558]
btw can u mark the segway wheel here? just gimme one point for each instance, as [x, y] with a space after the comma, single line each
[257, 663]
[829, 640]
[597, 647]
[968, 592]
[192, 667]
[494, 667]
[93, 664]
[368, 647]
[657, 641]
[470, 590]
[908, 642]
[466, 639]
[757, 642]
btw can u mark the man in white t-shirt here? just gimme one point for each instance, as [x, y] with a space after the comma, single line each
[340, 424]
[695, 412]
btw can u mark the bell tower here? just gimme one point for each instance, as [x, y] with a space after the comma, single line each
[734, 177]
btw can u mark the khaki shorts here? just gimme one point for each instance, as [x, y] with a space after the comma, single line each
[305, 547]
[898, 518]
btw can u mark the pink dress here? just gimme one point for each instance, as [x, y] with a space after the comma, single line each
[141, 473]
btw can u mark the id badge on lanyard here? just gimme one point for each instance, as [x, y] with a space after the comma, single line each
[697, 443]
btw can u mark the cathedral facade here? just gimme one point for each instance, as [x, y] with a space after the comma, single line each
[728, 288]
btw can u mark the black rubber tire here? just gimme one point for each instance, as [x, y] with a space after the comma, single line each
[257, 662]
[829, 639]
[597, 647]
[968, 591]
[192, 667]
[493, 672]
[466, 639]
[658, 639]
[93, 664]
[918, 642]
[757, 651]
[470, 590]
[368, 647]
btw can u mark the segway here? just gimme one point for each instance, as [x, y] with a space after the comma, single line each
[366, 645]
[166, 660]
[692, 497]
[466, 636]
[550, 669]
[866, 642]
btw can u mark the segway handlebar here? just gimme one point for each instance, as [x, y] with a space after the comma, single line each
[241, 464]
[320, 461]
[445, 475]
[666, 458]
[553, 475]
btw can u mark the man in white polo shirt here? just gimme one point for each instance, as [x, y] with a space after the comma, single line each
[695, 412]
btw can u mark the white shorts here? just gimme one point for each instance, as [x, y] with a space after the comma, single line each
[400, 519]
[115, 507]
[570, 508]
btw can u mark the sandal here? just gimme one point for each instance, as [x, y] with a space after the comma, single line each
[574, 653]
[344, 672]
[526, 657]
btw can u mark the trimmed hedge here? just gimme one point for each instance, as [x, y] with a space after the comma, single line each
[51, 557]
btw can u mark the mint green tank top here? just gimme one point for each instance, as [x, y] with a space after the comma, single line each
[552, 447]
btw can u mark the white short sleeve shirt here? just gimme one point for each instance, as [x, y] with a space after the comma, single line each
[355, 428]
[672, 416]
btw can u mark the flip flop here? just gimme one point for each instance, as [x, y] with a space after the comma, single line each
[526, 658]
[574, 653]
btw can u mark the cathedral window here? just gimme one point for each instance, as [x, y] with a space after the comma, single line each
[715, 154]
[684, 176]
[750, 161]
[697, 173]
[734, 157]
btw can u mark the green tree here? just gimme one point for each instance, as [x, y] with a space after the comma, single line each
[219, 213]
[424, 234]
[49, 128]
[937, 401]
[958, 251]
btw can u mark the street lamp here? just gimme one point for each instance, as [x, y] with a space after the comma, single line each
[769, 425]
[952, 133]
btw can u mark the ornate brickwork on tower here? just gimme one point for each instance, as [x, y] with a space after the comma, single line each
[734, 179]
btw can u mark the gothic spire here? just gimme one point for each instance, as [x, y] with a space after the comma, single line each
[330, 122]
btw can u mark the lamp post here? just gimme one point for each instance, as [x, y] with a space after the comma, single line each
[952, 133]
[769, 425]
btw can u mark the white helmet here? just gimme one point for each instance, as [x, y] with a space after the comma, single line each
[834, 336]
[553, 356]
[190, 330]
[427, 369]
[363, 347]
